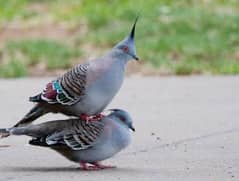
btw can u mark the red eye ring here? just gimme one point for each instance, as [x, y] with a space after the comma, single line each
[125, 49]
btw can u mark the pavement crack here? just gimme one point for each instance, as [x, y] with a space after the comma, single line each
[182, 141]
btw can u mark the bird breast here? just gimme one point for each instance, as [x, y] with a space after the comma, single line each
[103, 83]
[100, 92]
[113, 139]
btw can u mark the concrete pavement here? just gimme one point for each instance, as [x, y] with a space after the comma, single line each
[187, 128]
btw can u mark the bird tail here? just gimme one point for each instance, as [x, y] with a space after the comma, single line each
[38, 142]
[36, 112]
[4, 132]
[36, 98]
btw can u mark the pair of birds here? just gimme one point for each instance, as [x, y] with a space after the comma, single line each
[83, 92]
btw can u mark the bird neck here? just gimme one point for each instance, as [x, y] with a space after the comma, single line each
[116, 60]
[118, 56]
[115, 120]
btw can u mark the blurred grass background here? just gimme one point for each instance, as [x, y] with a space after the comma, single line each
[173, 37]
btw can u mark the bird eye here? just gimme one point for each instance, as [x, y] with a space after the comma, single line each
[125, 49]
[122, 118]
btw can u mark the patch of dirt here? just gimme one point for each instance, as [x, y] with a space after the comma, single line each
[133, 67]
[39, 72]
[146, 70]
[49, 31]
[19, 29]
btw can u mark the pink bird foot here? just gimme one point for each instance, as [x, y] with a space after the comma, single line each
[101, 166]
[94, 166]
[88, 118]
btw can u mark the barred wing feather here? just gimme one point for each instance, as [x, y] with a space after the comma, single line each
[82, 136]
[69, 88]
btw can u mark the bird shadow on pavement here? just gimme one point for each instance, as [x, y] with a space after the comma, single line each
[70, 169]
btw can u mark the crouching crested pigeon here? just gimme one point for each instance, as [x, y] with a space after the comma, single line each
[85, 90]
[81, 142]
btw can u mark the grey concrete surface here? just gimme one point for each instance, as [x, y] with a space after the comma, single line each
[187, 128]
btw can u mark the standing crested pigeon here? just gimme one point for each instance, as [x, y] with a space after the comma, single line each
[81, 142]
[86, 89]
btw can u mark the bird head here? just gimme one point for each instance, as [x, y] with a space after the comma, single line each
[127, 45]
[124, 117]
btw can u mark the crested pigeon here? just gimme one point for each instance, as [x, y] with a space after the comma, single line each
[85, 90]
[81, 142]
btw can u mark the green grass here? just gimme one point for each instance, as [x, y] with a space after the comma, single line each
[185, 37]
[53, 54]
[14, 68]
[30, 52]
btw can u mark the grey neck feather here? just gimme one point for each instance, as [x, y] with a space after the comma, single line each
[116, 120]
[118, 55]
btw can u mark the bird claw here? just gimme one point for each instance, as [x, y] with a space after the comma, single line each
[88, 118]
[101, 166]
[97, 117]
[95, 166]
[90, 168]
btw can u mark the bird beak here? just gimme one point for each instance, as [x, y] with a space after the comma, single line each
[132, 128]
[135, 57]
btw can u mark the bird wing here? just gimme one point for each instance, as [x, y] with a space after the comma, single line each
[80, 136]
[67, 89]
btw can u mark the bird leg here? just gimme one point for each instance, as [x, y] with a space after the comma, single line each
[94, 166]
[88, 118]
